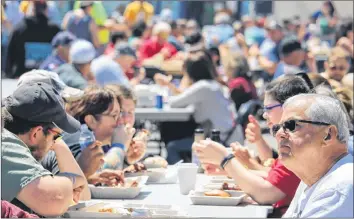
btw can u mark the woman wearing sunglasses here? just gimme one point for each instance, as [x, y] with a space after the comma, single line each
[277, 186]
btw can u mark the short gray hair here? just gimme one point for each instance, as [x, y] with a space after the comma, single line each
[323, 109]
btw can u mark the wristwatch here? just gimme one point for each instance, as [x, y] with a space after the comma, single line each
[226, 160]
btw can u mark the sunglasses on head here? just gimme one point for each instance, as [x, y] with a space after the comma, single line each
[339, 68]
[290, 125]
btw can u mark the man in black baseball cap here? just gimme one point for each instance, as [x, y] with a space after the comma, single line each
[34, 120]
[38, 105]
[61, 45]
[293, 57]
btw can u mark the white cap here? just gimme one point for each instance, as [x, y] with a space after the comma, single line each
[82, 52]
[161, 27]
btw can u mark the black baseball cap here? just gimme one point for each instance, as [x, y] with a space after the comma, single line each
[288, 45]
[63, 38]
[39, 102]
[124, 49]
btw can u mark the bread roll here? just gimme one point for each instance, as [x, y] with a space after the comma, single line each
[218, 193]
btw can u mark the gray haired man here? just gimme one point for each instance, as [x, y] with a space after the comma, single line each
[312, 140]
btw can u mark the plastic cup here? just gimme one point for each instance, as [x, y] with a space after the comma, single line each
[187, 176]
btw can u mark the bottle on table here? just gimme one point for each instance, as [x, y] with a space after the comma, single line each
[86, 137]
[198, 136]
[215, 135]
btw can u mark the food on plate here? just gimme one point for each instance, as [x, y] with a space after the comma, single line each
[218, 193]
[156, 162]
[132, 184]
[138, 167]
[226, 186]
[107, 210]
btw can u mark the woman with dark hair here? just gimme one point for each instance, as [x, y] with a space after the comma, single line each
[327, 22]
[213, 108]
[240, 82]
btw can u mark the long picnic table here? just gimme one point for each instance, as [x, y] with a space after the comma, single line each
[169, 194]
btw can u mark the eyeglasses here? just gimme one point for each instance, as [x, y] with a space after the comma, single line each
[290, 125]
[57, 135]
[126, 113]
[339, 68]
[116, 117]
[268, 108]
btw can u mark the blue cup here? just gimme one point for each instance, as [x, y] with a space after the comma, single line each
[159, 102]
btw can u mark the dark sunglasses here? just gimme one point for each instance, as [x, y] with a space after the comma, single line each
[339, 68]
[290, 125]
[57, 135]
[268, 108]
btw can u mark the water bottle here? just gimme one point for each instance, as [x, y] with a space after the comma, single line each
[215, 135]
[86, 137]
[198, 136]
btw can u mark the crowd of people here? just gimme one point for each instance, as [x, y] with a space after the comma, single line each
[74, 105]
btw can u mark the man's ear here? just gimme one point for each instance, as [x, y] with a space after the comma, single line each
[332, 134]
[34, 134]
[90, 121]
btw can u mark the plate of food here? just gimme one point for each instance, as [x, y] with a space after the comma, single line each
[216, 197]
[139, 169]
[98, 210]
[130, 189]
[120, 210]
[155, 162]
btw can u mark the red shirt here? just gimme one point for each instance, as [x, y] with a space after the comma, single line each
[9, 210]
[285, 180]
[109, 49]
[151, 47]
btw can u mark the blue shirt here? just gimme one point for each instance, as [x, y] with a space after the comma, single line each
[51, 63]
[268, 49]
[254, 35]
[330, 197]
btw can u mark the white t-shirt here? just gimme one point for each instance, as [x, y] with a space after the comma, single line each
[331, 196]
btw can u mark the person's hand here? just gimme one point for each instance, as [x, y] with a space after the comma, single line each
[162, 80]
[210, 152]
[107, 177]
[241, 39]
[142, 74]
[76, 193]
[165, 52]
[123, 134]
[213, 170]
[253, 51]
[91, 158]
[253, 130]
[346, 44]
[136, 151]
[311, 62]
[241, 154]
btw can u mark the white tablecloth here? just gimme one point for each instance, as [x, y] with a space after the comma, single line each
[166, 114]
[169, 194]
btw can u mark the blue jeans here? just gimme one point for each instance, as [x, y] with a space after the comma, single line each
[176, 147]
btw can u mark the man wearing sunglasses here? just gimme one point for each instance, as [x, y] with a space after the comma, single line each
[34, 120]
[312, 141]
